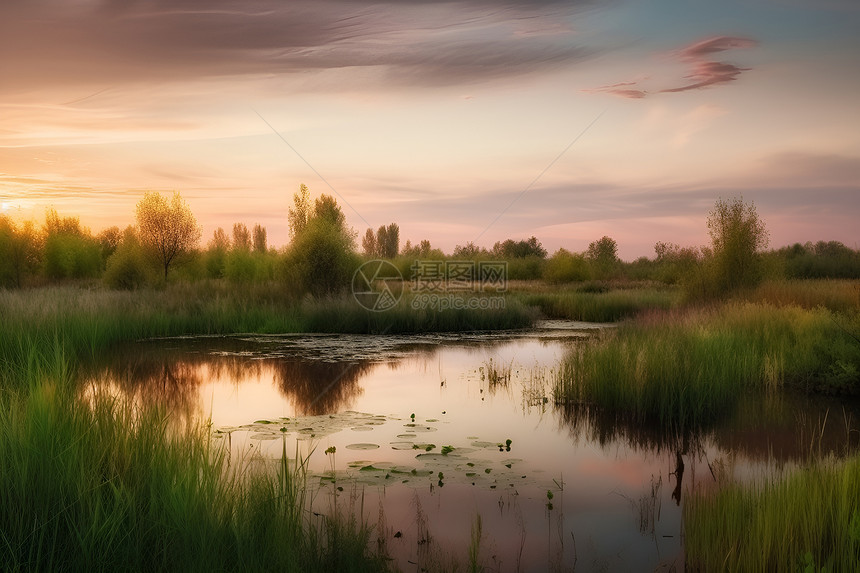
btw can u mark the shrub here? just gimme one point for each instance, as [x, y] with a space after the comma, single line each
[68, 255]
[127, 268]
[564, 267]
[321, 260]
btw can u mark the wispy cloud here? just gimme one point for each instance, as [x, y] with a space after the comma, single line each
[703, 70]
[103, 43]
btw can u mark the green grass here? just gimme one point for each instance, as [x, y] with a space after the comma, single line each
[90, 321]
[608, 306]
[101, 486]
[92, 483]
[685, 369]
[835, 295]
[807, 521]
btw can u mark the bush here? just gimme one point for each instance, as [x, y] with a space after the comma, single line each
[321, 260]
[127, 268]
[527, 268]
[215, 263]
[737, 239]
[68, 255]
[244, 267]
[565, 267]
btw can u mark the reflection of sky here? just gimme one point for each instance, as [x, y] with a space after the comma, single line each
[436, 115]
[603, 483]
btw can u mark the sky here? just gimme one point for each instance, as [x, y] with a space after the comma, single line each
[470, 120]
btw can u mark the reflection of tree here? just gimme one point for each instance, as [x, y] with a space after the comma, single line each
[605, 428]
[171, 377]
[162, 380]
[790, 427]
[319, 387]
[679, 478]
[778, 428]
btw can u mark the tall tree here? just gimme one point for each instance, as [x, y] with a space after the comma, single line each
[368, 244]
[392, 243]
[321, 259]
[220, 241]
[327, 210]
[241, 237]
[259, 238]
[381, 240]
[300, 213]
[167, 229]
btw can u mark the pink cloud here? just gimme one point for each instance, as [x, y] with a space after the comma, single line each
[704, 71]
[632, 94]
[622, 89]
[716, 44]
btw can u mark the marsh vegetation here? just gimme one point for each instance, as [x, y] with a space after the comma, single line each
[717, 354]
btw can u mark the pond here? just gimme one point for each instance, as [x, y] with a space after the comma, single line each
[422, 434]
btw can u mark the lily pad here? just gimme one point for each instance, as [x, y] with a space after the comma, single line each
[401, 445]
[362, 446]
[420, 429]
[485, 445]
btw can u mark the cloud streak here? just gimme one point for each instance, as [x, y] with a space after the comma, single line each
[704, 70]
[431, 42]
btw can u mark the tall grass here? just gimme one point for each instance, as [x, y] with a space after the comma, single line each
[105, 487]
[89, 321]
[608, 306]
[807, 521]
[93, 484]
[684, 369]
[835, 295]
[345, 316]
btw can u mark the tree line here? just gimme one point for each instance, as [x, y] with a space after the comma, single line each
[322, 255]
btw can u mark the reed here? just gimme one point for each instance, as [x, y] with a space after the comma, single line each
[685, 369]
[90, 321]
[103, 486]
[806, 521]
[91, 482]
[835, 295]
[610, 306]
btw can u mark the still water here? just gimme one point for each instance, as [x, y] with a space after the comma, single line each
[420, 435]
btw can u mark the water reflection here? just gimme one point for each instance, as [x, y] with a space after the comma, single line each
[319, 387]
[171, 376]
[158, 379]
[777, 429]
[602, 467]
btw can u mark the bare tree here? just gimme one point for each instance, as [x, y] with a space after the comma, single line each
[168, 229]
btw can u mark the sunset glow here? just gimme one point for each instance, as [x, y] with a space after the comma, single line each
[441, 116]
